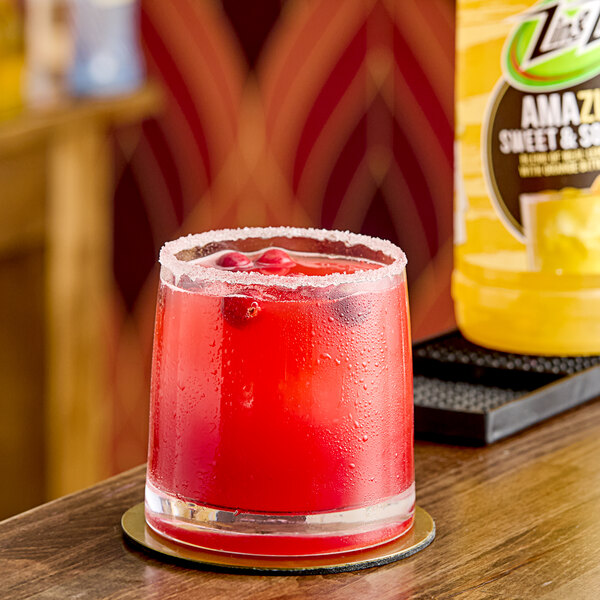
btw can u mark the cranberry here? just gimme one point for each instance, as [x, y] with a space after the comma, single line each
[240, 310]
[234, 261]
[275, 258]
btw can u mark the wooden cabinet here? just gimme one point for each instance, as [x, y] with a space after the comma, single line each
[56, 195]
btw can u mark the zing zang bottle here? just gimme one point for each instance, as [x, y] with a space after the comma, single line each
[527, 189]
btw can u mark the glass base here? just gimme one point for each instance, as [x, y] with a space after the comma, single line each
[261, 534]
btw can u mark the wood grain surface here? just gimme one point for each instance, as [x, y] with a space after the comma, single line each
[517, 520]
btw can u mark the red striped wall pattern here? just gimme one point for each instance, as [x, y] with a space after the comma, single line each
[334, 113]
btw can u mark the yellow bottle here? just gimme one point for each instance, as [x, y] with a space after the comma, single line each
[11, 58]
[527, 190]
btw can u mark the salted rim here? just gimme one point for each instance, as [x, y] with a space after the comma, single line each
[196, 272]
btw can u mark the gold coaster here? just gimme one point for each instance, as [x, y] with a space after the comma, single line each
[418, 537]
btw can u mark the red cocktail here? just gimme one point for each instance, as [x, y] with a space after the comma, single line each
[281, 407]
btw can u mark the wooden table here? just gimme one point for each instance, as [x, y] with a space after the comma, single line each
[517, 520]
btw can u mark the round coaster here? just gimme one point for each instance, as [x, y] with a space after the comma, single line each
[418, 537]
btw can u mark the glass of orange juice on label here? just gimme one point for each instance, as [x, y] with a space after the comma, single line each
[562, 230]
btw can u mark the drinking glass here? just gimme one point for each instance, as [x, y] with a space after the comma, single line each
[281, 418]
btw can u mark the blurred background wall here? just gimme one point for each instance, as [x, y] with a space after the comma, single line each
[328, 113]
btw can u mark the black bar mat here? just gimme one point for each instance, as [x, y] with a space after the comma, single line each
[467, 393]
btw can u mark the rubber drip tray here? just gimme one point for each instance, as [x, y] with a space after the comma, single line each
[467, 393]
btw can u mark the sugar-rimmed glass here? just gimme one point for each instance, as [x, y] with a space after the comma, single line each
[281, 418]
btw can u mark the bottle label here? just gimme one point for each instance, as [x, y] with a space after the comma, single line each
[542, 128]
